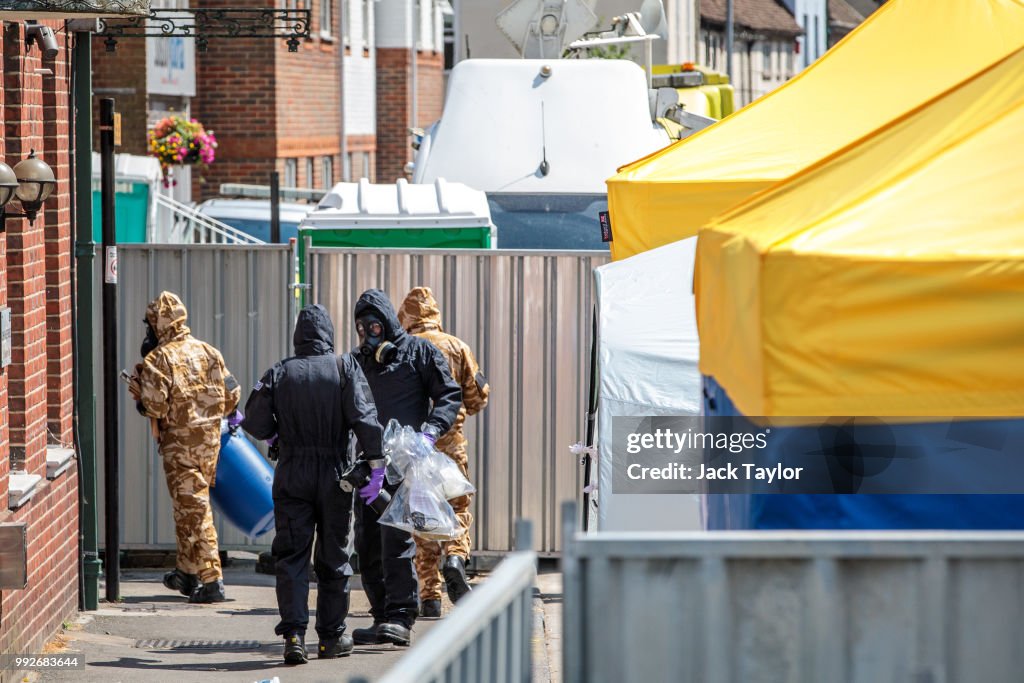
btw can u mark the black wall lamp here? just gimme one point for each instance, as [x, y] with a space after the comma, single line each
[31, 181]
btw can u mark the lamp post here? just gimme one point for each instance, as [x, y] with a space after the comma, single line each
[31, 182]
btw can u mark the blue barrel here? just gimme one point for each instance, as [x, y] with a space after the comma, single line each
[244, 482]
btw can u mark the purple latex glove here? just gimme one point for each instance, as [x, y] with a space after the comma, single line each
[235, 418]
[370, 492]
[272, 441]
[429, 434]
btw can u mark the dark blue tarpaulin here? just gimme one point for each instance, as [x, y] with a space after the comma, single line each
[867, 511]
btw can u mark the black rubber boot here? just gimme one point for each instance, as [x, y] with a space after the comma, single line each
[295, 649]
[181, 582]
[208, 593]
[366, 636]
[430, 609]
[394, 633]
[335, 647]
[454, 572]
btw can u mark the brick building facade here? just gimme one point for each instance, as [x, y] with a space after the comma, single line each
[397, 26]
[36, 400]
[394, 104]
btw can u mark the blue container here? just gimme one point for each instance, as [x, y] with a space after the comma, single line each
[865, 511]
[244, 483]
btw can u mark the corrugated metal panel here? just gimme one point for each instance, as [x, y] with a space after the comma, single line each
[238, 300]
[853, 607]
[527, 317]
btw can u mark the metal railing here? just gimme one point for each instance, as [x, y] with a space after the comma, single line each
[181, 224]
[489, 635]
[799, 606]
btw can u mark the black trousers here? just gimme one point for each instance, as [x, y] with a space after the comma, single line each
[308, 503]
[386, 568]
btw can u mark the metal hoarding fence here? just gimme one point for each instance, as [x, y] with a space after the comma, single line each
[527, 316]
[805, 606]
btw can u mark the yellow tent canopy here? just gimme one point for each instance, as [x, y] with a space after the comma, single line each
[888, 278]
[904, 54]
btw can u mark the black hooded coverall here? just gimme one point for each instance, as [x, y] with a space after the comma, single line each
[311, 404]
[402, 390]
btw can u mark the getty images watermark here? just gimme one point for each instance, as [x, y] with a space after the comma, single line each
[693, 454]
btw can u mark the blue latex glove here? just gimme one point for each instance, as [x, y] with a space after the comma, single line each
[370, 492]
[235, 418]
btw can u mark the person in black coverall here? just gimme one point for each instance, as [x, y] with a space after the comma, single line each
[306, 405]
[406, 375]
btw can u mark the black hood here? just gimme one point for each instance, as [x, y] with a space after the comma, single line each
[378, 302]
[314, 332]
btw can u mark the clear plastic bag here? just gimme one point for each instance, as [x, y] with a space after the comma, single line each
[419, 507]
[453, 483]
[429, 479]
[404, 447]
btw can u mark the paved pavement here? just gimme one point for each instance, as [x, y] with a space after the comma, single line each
[240, 642]
[151, 635]
[549, 585]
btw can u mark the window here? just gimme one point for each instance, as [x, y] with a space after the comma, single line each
[326, 173]
[449, 38]
[766, 61]
[346, 23]
[367, 23]
[326, 18]
[814, 45]
[291, 168]
[346, 169]
[807, 41]
[308, 182]
[367, 173]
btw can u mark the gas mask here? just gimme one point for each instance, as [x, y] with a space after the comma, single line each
[150, 342]
[372, 342]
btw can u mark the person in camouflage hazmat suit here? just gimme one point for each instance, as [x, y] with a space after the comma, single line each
[185, 387]
[420, 315]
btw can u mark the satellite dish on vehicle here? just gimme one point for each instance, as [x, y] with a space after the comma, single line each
[542, 29]
[652, 17]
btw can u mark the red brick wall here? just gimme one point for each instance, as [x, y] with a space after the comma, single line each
[57, 235]
[35, 390]
[394, 106]
[235, 91]
[429, 87]
[31, 616]
[124, 71]
[26, 260]
[308, 98]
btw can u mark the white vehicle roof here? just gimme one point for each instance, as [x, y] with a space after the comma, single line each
[255, 209]
[436, 204]
[492, 134]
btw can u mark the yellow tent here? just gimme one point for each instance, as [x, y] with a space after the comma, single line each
[904, 54]
[888, 278]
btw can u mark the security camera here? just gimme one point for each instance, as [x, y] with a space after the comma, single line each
[42, 36]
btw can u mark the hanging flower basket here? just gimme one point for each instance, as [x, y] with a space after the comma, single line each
[176, 141]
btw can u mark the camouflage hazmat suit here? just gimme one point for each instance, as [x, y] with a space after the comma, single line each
[420, 316]
[186, 387]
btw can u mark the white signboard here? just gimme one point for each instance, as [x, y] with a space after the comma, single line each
[171, 63]
[110, 266]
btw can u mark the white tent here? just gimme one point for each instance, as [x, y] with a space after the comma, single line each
[647, 363]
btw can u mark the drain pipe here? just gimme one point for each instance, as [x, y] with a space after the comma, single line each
[83, 319]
